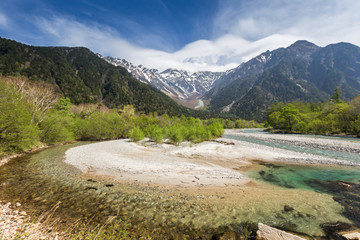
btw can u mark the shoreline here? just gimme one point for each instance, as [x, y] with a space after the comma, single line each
[248, 197]
[213, 163]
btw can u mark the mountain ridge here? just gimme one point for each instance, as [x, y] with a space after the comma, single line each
[180, 84]
[300, 72]
[82, 76]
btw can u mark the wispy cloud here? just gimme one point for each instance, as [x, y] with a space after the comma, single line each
[3, 20]
[242, 30]
[322, 21]
[218, 55]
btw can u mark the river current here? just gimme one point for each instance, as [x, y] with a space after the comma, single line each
[297, 198]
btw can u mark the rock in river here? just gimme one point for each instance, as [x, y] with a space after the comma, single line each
[269, 233]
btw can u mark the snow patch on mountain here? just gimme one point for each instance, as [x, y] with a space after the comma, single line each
[176, 83]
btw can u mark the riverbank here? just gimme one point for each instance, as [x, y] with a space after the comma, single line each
[214, 174]
[194, 190]
[334, 143]
[301, 149]
[203, 164]
[16, 224]
[218, 163]
[7, 158]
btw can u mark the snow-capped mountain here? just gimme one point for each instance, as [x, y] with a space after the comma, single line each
[175, 83]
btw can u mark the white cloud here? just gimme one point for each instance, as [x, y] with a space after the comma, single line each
[322, 21]
[221, 54]
[242, 31]
[3, 20]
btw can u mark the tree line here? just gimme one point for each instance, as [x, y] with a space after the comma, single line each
[332, 117]
[35, 113]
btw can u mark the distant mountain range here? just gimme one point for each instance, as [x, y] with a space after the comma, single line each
[300, 72]
[178, 84]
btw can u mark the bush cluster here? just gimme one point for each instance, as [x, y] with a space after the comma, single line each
[24, 125]
[21, 128]
[333, 117]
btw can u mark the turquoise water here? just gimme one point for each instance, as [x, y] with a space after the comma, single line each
[300, 177]
[351, 157]
[343, 183]
[41, 180]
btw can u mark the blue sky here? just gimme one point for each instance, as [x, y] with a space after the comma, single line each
[187, 34]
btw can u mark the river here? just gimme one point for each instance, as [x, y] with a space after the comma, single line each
[299, 198]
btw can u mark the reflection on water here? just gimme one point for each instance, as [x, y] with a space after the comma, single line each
[41, 180]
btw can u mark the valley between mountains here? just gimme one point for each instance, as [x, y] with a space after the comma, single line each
[125, 160]
[300, 72]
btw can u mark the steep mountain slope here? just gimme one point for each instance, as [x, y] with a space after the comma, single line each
[179, 84]
[83, 77]
[302, 71]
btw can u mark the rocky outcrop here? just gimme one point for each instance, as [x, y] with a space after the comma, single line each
[269, 233]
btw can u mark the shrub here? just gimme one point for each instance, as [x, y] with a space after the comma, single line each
[176, 134]
[300, 127]
[136, 134]
[155, 133]
[215, 130]
[57, 128]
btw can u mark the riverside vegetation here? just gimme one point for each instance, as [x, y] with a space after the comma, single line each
[33, 114]
[332, 117]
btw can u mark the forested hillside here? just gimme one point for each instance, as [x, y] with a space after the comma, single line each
[300, 72]
[83, 77]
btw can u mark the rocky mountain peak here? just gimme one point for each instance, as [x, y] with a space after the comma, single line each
[176, 83]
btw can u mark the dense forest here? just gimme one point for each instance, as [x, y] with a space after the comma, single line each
[83, 77]
[34, 114]
[332, 117]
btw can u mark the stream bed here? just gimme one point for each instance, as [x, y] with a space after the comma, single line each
[296, 198]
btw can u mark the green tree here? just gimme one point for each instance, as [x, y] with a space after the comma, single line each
[57, 128]
[336, 97]
[356, 126]
[290, 115]
[63, 105]
[17, 133]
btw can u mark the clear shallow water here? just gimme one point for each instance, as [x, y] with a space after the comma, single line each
[261, 131]
[343, 183]
[300, 177]
[41, 180]
[351, 157]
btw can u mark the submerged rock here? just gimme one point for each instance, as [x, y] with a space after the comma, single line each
[269, 233]
[288, 208]
[225, 236]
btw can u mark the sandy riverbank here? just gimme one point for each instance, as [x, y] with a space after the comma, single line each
[204, 164]
[165, 164]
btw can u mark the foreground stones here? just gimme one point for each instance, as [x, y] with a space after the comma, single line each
[269, 233]
[15, 225]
